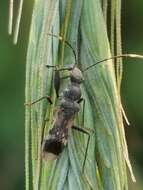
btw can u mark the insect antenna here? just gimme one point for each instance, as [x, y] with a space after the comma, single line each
[114, 57]
[67, 43]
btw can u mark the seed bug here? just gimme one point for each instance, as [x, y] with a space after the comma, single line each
[69, 106]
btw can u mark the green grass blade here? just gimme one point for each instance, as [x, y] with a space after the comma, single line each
[82, 23]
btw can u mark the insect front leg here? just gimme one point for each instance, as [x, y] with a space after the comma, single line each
[48, 98]
[56, 78]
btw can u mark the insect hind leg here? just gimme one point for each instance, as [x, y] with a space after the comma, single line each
[82, 130]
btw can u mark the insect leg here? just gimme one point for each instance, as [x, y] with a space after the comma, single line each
[87, 145]
[57, 81]
[67, 68]
[42, 98]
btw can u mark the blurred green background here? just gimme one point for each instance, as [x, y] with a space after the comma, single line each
[132, 88]
[12, 77]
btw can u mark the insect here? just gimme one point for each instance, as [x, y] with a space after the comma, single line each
[65, 113]
[69, 105]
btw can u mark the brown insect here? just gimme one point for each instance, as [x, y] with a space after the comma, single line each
[69, 106]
